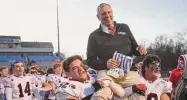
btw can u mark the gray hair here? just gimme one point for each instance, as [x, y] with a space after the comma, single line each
[102, 5]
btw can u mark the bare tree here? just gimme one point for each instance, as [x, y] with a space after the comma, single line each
[169, 49]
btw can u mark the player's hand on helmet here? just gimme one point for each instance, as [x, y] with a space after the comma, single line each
[111, 63]
[139, 88]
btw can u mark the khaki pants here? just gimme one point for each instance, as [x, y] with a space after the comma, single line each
[103, 94]
[132, 78]
[116, 88]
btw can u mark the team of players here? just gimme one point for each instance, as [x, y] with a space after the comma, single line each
[72, 81]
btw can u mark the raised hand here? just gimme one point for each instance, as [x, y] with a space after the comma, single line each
[142, 50]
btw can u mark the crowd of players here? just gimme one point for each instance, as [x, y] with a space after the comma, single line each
[73, 80]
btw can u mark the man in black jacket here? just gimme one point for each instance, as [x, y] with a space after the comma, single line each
[108, 38]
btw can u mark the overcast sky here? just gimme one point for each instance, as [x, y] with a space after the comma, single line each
[35, 20]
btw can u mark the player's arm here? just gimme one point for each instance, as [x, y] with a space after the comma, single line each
[8, 89]
[53, 87]
[8, 93]
[73, 98]
[45, 87]
[165, 96]
[37, 90]
[1, 90]
[50, 83]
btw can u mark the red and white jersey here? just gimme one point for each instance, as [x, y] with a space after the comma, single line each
[86, 87]
[19, 88]
[156, 88]
[57, 80]
[76, 88]
[69, 88]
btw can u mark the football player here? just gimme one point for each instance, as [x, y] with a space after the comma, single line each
[80, 82]
[40, 82]
[3, 76]
[20, 86]
[55, 79]
[157, 88]
[40, 79]
[4, 71]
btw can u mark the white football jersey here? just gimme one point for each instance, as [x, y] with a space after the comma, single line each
[3, 82]
[34, 77]
[38, 81]
[2, 89]
[57, 80]
[41, 79]
[19, 88]
[69, 88]
[156, 88]
[86, 88]
[76, 88]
